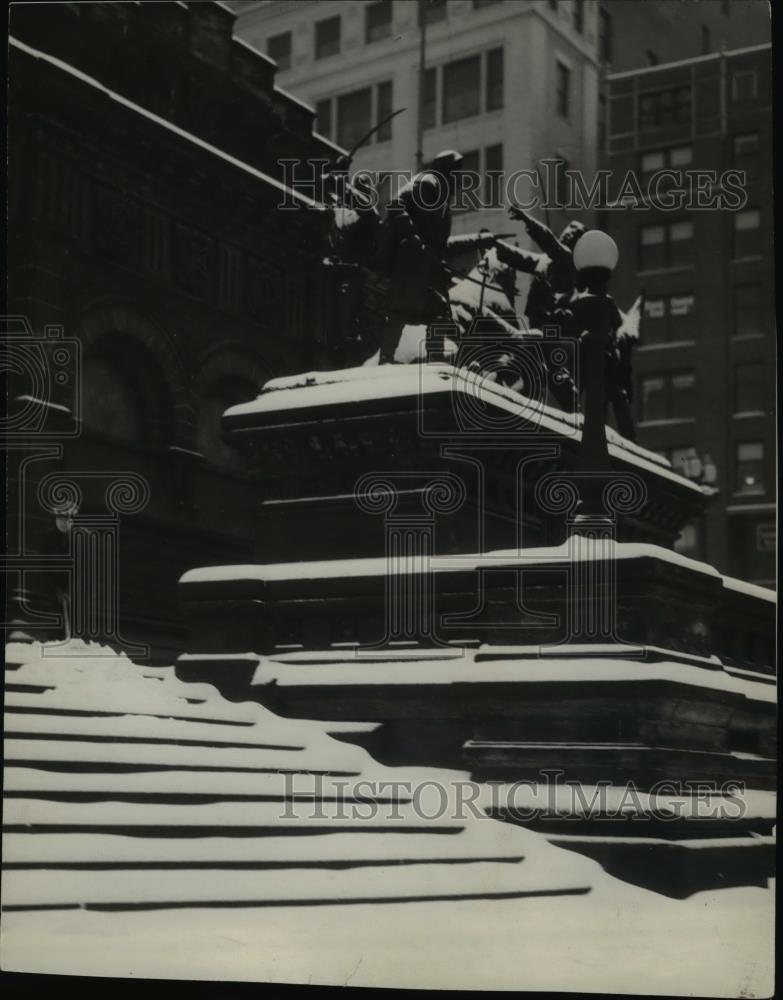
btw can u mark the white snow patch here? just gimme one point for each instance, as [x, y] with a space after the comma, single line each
[387, 672]
[576, 549]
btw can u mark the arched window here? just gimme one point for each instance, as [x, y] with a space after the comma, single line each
[110, 403]
[125, 392]
[225, 392]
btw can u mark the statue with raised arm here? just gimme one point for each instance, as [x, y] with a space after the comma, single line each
[552, 269]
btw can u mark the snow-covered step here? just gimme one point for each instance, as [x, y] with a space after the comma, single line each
[80, 753]
[143, 729]
[348, 849]
[242, 819]
[225, 785]
[145, 889]
[66, 702]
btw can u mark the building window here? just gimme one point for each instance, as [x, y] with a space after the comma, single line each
[579, 16]
[668, 319]
[461, 89]
[432, 11]
[461, 92]
[110, 402]
[323, 118]
[746, 233]
[377, 21]
[327, 37]
[553, 4]
[563, 90]
[354, 117]
[465, 195]
[749, 469]
[604, 36]
[662, 107]
[747, 311]
[667, 396]
[347, 118]
[748, 388]
[487, 166]
[278, 47]
[494, 80]
[745, 153]
[744, 85]
[665, 245]
[383, 110]
[706, 40]
[493, 175]
[674, 158]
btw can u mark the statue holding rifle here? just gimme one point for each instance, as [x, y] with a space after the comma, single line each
[414, 245]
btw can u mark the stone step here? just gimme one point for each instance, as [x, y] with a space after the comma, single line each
[91, 851]
[80, 753]
[67, 702]
[138, 889]
[149, 729]
[245, 819]
[224, 786]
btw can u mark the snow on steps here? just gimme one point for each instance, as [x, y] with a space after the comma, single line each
[95, 851]
[127, 789]
[108, 755]
[163, 889]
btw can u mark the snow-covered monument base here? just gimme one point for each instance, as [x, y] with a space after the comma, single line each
[422, 565]
[154, 829]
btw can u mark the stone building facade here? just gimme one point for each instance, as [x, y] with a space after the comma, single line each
[154, 280]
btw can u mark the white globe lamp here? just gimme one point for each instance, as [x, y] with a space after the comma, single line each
[595, 249]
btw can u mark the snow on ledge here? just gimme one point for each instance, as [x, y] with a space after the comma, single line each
[576, 549]
[355, 385]
[751, 589]
[163, 122]
[465, 670]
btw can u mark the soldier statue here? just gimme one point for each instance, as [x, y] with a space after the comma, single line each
[414, 242]
[552, 269]
[351, 240]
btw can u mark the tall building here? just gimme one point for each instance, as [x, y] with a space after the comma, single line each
[648, 32]
[705, 371]
[508, 84]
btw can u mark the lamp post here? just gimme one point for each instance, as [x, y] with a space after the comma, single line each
[595, 256]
